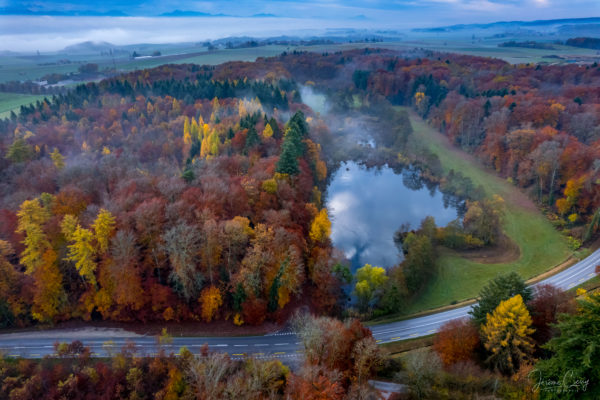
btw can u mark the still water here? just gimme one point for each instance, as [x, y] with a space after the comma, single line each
[366, 207]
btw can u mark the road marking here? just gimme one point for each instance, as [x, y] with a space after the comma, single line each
[259, 354]
[431, 331]
[260, 345]
[582, 279]
[281, 344]
[238, 354]
[240, 345]
[377, 341]
[280, 352]
[591, 275]
[221, 345]
[571, 285]
[414, 334]
[394, 338]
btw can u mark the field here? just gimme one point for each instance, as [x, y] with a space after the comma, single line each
[12, 101]
[542, 247]
[31, 67]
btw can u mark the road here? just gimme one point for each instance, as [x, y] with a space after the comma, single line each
[284, 345]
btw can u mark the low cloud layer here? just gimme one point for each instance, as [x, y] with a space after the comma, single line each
[49, 33]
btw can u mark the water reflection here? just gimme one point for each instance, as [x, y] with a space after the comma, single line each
[367, 206]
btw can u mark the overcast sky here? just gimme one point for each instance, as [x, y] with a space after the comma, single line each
[51, 32]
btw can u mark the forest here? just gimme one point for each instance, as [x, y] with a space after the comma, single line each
[187, 193]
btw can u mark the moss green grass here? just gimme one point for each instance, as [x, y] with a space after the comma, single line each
[12, 101]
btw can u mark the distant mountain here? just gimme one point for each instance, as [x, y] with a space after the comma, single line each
[189, 13]
[17, 10]
[90, 47]
[264, 15]
[511, 24]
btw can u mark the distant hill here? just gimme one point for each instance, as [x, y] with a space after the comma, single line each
[188, 13]
[89, 47]
[511, 24]
[24, 10]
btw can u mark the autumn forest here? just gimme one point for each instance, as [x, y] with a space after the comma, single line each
[187, 193]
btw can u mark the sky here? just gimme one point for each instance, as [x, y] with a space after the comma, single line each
[51, 25]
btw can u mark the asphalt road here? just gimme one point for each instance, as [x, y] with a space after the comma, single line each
[284, 345]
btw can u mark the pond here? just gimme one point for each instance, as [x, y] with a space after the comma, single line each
[366, 207]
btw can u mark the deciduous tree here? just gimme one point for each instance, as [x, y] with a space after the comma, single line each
[507, 335]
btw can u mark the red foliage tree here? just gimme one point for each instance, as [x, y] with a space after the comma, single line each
[456, 341]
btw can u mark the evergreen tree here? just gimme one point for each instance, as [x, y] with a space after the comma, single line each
[501, 288]
[252, 139]
[288, 163]
[576, 351]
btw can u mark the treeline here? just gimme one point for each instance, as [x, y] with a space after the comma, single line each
[125, 205]
[29, 87]
[584, 42]
[530, 44]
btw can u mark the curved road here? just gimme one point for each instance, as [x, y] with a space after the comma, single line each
[279, 345]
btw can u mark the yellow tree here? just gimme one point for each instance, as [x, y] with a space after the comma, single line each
[204, 147]
[506, 335]
[31, 217]
[268, 131]
[320, 229]
[369, 280]
[187, 136]
[57, 159]
[195, 129]
[82, 252]
[104, 227]
[68, 226]
[49, 295]
[211, 300]
[214, 143]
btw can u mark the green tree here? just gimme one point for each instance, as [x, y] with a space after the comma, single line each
[575, 354]
[507, 335]
[369, 281]
[252, 138]
[499, 289]
[288, 162]
[419, 264]
[19, 151]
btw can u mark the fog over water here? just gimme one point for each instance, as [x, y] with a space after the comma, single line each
[367, 206]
